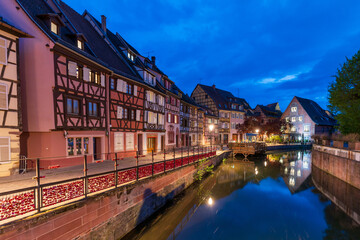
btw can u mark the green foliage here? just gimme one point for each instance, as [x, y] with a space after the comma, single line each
[203, 167]
[344, 96]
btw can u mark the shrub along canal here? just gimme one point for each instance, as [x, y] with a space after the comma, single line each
[269, 197]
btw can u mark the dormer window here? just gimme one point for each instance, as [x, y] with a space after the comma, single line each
[131, 56]
[80, 44]
[54, 28]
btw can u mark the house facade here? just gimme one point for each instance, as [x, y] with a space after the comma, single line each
[307, 118]
[10, 98]
[268, 113]
[229, 109]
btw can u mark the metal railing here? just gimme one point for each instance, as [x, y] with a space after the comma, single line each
[92, 177]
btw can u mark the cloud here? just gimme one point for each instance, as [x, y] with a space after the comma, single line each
[268, 51]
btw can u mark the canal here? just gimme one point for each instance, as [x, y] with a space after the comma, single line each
[269, 197]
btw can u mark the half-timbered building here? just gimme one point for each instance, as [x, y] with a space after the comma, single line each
[230, 109]
[68, 77]
[10, 100]
[188, 121]
[144, 109]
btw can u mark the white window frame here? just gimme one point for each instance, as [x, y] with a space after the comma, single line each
[8, 160]
[6, 97]
[294, 109]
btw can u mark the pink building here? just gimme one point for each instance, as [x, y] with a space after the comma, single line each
[10, 84]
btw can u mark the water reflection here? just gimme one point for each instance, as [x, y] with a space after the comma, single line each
[269, 197]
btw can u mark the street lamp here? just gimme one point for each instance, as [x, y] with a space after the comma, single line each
[257, 132]
[211, 128]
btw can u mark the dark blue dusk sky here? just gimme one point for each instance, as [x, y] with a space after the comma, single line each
[262, 50]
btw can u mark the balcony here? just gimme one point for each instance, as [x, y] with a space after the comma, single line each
[151, 126]
[154, 107]
[224, 130]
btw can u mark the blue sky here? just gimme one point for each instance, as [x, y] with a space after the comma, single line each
[262, 50]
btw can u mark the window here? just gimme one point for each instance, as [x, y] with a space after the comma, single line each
[54, 28]
[78, 146]
[176, 119]
[287, 119]
[3, 96]
[300, 118]
[3, 51]
[125, 114]
[80, 44]
[72, 106]
[306, 128]
[70, 146]
[293, 109]
[92, 109]
[5, 149]
[132, 116]
[112, 84]
[79, 73]
[128, 89]
[293, 129]
[293, 119]
[86, 145]
[169, 117]
[131, 56]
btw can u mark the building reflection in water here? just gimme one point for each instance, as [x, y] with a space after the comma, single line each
[202, 211]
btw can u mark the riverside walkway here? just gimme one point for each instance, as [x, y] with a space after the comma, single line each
[28, 179]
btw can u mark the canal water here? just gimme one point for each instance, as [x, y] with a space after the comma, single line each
[269, 197]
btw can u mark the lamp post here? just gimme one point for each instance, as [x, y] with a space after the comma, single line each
[211, 128]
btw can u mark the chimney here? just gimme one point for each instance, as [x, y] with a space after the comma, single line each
[153, 59]
[103, 23]
[213, 86]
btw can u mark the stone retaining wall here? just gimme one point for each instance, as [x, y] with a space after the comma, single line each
[343, 164]
[107, 216]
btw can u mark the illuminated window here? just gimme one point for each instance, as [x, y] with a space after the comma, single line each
[293, 119]
[287, 119]
[299, 173]
[80, 44]
[293, 109]
[70, 146]
[292, 172]
[300, 119]
[293, 129]
[306, 128]
[54, 28]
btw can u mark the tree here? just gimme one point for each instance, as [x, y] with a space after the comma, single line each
[249, 126]
[344, 96]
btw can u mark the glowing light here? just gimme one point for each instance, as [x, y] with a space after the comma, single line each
[286, 170]
[211, 127]
[265, 163]
[257, 130]
[281, 161]
[210, 201]
[291, 181]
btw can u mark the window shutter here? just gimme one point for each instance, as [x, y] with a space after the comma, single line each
[119, 112]
[3, 97]
[3, 51]
[86, 74]
[4, 149]
[150, 117]
[103, 80]
[124, 86]
[119, 85]
[138, 115]
[155, 118]
[135, 90]
[72, 68]
[148, 96]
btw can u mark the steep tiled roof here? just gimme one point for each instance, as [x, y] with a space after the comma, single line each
[270, 111]
[186, 98]
[315, 112]
[223, 99]
[96, 42]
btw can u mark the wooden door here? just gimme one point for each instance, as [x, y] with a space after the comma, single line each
[140, 144]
